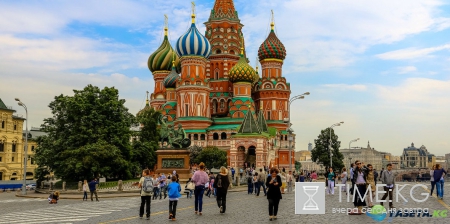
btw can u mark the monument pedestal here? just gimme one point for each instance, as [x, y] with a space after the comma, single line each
[173, 159]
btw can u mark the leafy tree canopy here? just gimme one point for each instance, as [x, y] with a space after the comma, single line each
[321, 153]
[212, 156]
[88, 135]
[298, 166]
[144, 149]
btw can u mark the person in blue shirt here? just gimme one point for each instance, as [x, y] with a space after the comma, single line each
[439, 180]
[174, 190]
[93, 189]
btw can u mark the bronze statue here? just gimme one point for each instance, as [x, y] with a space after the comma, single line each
[174, 138]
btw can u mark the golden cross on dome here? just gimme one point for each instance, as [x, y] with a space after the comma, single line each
[193, 12]
[272, 24]
[166, 24]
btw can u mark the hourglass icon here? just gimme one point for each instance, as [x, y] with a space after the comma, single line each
[310, 203]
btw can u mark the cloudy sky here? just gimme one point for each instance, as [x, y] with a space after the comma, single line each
[382, 67]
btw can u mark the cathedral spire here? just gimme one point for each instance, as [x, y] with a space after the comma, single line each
[223, 9]
[249, 125]
[272, 24]
[193, 12]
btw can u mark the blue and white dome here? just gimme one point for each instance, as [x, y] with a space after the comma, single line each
[193, 43]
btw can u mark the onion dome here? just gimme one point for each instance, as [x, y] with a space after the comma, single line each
[171, 80]
[242, 71]
[272, 47]
[256, 75]
[193, 43]
[161, 59]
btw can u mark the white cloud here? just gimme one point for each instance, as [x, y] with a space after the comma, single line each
[347, 87]
[410, 53]
[406, 69]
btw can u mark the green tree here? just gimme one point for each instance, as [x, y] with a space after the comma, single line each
[88, 135]
[144, 149]
[194, 151]
[321, 153]
[298, 166]
[213, 157]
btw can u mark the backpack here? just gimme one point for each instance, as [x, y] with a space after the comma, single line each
[148, 185]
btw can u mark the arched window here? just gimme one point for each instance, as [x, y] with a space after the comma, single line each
[215, 136]
[222, 104]
[232, 52]
[2, 147]
[202, 137]
[285, 137]
[195, 136]
[241, 149]
[268, 115]
[14, 147]
[252, 151]
[190, 136]
[214, 106]
[218, 51]
[3, 124]
[15, 126]
[223, 135]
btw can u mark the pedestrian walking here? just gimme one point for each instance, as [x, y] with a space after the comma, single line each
[438, 175]
[162, 185]
[255, 184]
[85, 189]
[155, 187]
[344, 179]
[370, 180]
[360, 184]
[200, 178]
[174, 189]
[230, 177]
[261, 183]
[249, 184]
[388, 178]
[375, 175]
[289, 181]
[93, 189]
[433, 184]
[222, 183]
[301, 178]
[146, 183]
[314, 176]
[352, 172]
[189, 188]
[273, 193]
[331, 177]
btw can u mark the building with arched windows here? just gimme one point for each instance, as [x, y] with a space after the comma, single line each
[12, 145]
[206, 84]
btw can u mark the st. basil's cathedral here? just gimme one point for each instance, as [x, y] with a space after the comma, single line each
[207, 85]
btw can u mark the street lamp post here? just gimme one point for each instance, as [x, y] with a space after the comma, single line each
[329, 145]
[354, 140]
[24, 186]
[289, 130]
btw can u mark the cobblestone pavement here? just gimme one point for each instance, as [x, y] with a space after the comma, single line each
[241, 208]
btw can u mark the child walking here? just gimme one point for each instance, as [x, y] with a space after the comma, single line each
[174, 190]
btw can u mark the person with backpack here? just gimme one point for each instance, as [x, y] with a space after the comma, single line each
[146, 183]
[221, 184]
[174, 190]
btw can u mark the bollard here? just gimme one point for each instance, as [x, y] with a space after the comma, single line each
[238, 182]
[51, 186]
[42, 184]
[120, 185]
[80, 185]
[64, 186]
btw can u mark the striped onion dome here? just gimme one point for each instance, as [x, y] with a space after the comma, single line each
[272, 47]
[171, 80]
[193, 43]
[161, 59]
[242, 71]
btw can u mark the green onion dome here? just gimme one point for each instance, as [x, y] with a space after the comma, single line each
[242, 71]
[171, 80]
[272, 47]
[161, 59]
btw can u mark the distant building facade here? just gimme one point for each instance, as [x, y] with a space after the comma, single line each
[420, 158]
[366, 155]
